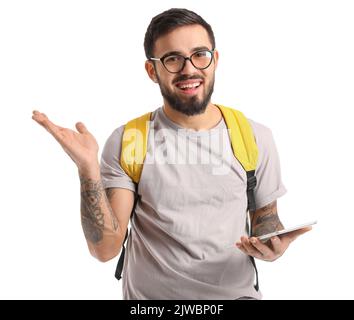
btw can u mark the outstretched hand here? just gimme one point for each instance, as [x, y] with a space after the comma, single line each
[81, 146]
[272, 249]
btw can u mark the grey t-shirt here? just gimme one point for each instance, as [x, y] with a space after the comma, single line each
[192, 208]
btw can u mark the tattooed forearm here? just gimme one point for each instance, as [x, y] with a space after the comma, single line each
[92, 214]
[266, 220]
[92, 218]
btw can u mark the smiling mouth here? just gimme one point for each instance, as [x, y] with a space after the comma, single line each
[189, 88]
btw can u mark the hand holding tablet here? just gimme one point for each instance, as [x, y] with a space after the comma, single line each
[267, 236]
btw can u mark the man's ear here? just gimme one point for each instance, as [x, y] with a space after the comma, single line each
[216, 58]
[150, 69]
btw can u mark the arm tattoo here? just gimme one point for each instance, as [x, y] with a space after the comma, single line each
[266, 220]
[92, 216]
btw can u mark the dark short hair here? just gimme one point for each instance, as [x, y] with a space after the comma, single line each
[169, 20]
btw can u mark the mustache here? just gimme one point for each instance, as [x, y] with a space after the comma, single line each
[185, 77]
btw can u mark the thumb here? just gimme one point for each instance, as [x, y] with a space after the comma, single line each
[81, 127]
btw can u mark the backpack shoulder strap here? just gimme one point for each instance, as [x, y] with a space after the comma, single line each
[244, 147]
[246, 152]
[242, 139]
[134, 146]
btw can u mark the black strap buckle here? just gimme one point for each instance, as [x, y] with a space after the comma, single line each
[251, 179]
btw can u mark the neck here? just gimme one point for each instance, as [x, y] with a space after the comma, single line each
[205, 121]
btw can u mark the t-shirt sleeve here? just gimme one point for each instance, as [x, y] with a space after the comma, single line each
[268, 173]
[113, 176]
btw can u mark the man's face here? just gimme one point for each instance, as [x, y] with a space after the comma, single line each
[188, 91]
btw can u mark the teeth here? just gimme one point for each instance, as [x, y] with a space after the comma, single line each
[190, 85]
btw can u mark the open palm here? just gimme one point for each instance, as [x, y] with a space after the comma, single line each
[81, 146]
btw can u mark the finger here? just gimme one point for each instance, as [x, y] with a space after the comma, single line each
[243, 249]
[252, 251]
[81, 127]
[40, 118]
[278, 246]
[43, 120]
[261, 247]
[240, 246]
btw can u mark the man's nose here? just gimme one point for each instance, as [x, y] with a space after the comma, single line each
[188, 67]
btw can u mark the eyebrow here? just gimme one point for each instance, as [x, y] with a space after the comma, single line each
[179, 52]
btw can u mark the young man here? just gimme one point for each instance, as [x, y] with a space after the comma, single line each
[189, 212]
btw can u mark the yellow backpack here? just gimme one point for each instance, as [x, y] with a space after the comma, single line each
[134, 147]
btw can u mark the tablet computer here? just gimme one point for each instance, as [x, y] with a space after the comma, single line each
[265, 237]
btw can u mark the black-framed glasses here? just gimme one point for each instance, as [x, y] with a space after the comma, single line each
[175, 63]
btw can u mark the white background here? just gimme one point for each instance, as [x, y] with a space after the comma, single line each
[286, 64]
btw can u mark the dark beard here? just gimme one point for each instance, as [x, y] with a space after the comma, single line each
[192, 106]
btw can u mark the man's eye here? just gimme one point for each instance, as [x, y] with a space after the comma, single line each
[202, 54]
[172, 59]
